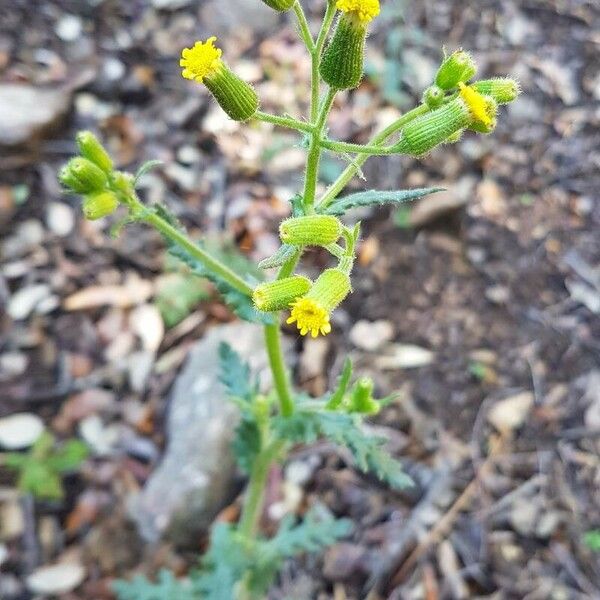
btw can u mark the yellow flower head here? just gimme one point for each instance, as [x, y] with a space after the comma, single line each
[200, 60]
[309, 315]
[364, 10]
[478, 107]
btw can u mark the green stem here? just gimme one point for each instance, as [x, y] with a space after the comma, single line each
[287, 122]
[304, 27]
[358, 148]
[316, 60]
[278, 370]
[209, 261]
[255, 492]
[314, 154]
[351, 170]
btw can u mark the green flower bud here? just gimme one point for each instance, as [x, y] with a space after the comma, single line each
[279, 294]
[330, 289]
[123, 182]
[502, 90]
[361, 398]
[458, 67]
[280, 5]
[82, 176]
[342, 63]
[68, 180]
[434, 96]
[311, 312]
[236, 97]
[434, 128]
[310, 230]
[92, 149]
[102, 204]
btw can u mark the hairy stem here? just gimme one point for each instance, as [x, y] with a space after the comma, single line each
[314, 153]
[278, 369]
[305, 33]
[351, 170]
[316, 60]
[209, 261]
[342, 147]
[287, 122]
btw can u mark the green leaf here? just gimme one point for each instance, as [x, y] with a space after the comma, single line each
[280, 257]
[178, 295]
[342, 385]
[592, 540]
[69, 456]
[240, 303]
[313, 534]
[370, 455]
[166, 587]
[373, 197]
[235, 374]
[41, 481]
[246, 444]
[146, 168]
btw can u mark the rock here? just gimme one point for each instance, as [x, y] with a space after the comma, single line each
[592, 396]
[69, 28]
[441, 204]
[60, 218]
[171, 4]
[26, 111]
[509, 414]
[20, 431]
[56, 579]
[146, 322]
[102, 440]
[314, 355]
[523, 516]
[405, 356]
[371, 335]
[3, 554]
[12, 519]
[343, 561]
[220, 18]
[26, 300]
[195, 478]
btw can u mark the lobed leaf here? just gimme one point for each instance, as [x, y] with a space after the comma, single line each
[376, 198]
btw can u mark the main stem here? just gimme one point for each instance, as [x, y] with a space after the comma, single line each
[314, 153]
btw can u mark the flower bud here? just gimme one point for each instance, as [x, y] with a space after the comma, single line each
[434, 128]
[434, 96]
[310, 230]
[502, 90]
[123, 182]
[361, 398]
[458, 67]
[102, 204]
[82, 176]
[203, 63]
[342, 62]
[92, 149]
[280, 5]
[279, 294]
[311, 312]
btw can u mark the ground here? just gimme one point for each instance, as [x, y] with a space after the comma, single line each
[481, 305]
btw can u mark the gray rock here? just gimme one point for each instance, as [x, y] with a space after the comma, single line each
[221, 17]
[196, 476]
[26, 111]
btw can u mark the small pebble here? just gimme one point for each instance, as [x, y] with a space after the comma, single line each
[69, 28]
[20, 431]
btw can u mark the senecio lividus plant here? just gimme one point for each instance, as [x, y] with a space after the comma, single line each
[240, 563]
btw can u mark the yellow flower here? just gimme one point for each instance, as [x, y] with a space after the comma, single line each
[478, 107]
[309, 315]
[364, 10]
[201, 60]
